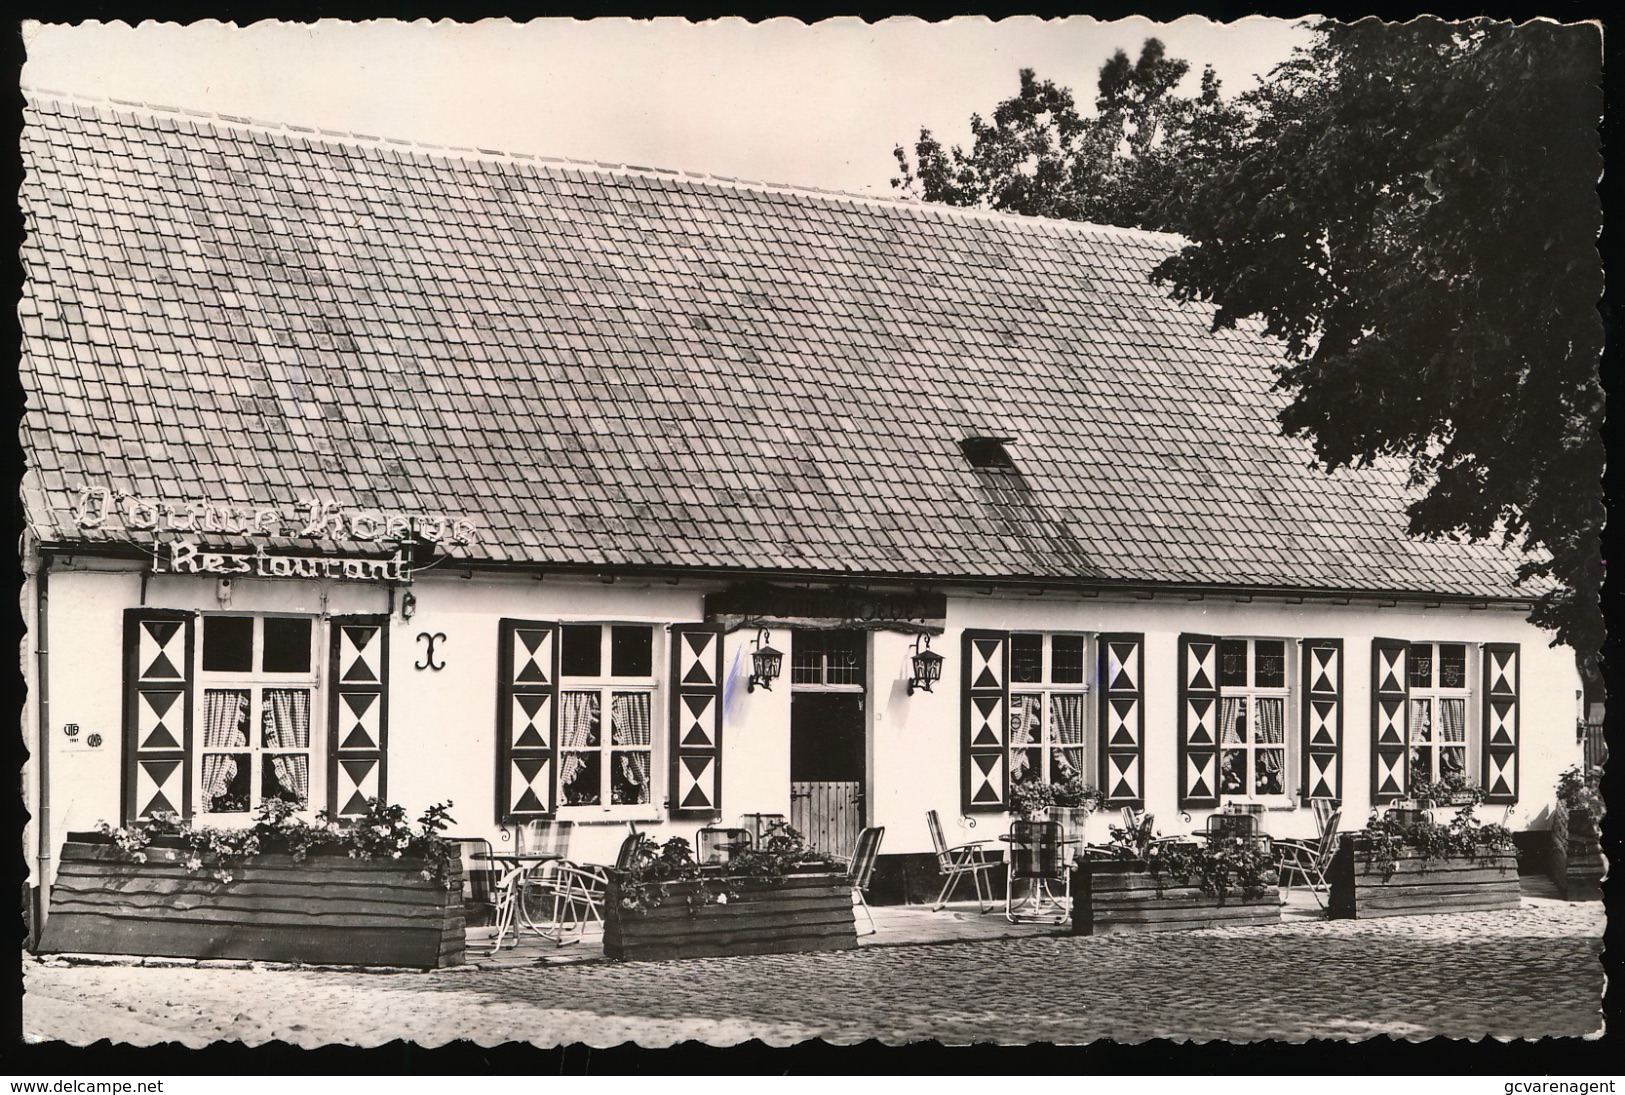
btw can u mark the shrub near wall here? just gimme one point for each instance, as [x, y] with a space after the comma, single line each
[1575, 862]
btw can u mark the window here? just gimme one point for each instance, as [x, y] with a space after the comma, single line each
[831, 659]
[606, 715]
[257, 691]
[1438, 711]
[1253, 695]
[1049, 704]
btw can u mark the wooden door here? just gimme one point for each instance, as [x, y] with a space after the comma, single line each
[826, 769]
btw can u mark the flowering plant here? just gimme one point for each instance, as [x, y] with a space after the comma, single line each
[382, 832]
[1580, 793]
[643, 882]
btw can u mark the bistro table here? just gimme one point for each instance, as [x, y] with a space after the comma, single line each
[512, 861]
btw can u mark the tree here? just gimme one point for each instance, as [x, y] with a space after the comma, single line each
[1413, 211]
[1040, 156]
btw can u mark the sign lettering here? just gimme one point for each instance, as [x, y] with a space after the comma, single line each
[308, 519]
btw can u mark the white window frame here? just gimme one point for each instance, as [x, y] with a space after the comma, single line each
[1432, 695]
[822, 684]
[605, 684]
[1044, 688]
[1252, 692]
[256, 682]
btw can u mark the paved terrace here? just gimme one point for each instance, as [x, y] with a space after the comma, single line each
[948, 976]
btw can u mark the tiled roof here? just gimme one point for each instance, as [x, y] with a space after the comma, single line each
[616, 367]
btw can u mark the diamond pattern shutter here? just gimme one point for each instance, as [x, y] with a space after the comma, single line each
[696, 721]
[1122, 718]
[1198, 722]
[527, 719]
[157, 713]
[357, 709]
[1500, 722]
[1390, 720]
[985, 700]
[1322, 720]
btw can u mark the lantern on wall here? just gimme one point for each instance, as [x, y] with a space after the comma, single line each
[927, 665]
[764, 662]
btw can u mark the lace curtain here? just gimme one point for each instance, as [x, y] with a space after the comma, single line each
[578, 719]
[629, 725]
[1066, 726]
[224, 715]
[285, 723]
[1025, 730]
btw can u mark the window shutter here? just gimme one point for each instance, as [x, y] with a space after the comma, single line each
[1390, 720]
[527, 719]
[1322, 721]
[358, 717]
[985, 721]
[1500, 722]
[696, 721]
[1122, 718]
[157, 713]
[1198, 722]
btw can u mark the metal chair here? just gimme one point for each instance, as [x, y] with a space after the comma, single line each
[958, 862]
[1323, 808]
[862, 868]
[1308, 861]
[718, 845]
[1038, 857]
[480, 876]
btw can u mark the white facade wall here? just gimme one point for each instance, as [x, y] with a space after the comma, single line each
[442, 723]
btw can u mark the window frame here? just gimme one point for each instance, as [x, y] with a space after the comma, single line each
[256, 681]
[1045, 687]
[605, 685]
[1287, 693]
[823, 684]
[1433, 694]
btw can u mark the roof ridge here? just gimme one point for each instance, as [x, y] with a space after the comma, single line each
[35, 95]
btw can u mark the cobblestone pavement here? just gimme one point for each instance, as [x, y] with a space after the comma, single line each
[1528, 973]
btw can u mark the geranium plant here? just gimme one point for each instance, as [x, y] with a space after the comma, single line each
[1580, 793]
[1384, 842]
[1031, 796]
[645, 883]
[382, 832]
[1218, 866]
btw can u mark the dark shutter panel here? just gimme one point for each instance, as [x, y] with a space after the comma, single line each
[1198, 722]
[157, 713]
[1122, 718]
[1390, 720]
[985, 722]
[696, 721]
[1322, 721]
[1500, 722]
[358, 713]
[527, 719]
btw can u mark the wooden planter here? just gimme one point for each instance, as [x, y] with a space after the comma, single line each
[1575, 862]
[330, 909]
[1123, 897]
[801, 912]
[1419, 886]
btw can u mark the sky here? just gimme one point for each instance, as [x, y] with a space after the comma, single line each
[780, 101]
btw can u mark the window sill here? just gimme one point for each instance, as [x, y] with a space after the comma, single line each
[591, 815]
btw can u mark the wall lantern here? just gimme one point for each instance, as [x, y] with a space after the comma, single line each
[927, 665]
[409, 605]
[764, 661]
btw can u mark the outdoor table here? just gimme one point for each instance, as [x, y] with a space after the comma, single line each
[510, 861]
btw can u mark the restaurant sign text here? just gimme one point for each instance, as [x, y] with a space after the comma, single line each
[310, 519]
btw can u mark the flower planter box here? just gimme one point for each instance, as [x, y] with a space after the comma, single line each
[1575, 862]
[1419, 886]
[329, 909]
[802, 912]
[1110, 897]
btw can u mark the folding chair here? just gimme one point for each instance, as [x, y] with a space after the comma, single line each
[1324, 808]
[1037, 857]
[1307, 861]
[718, 845]
[957, 862]
[862, 868]
[480, 877]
